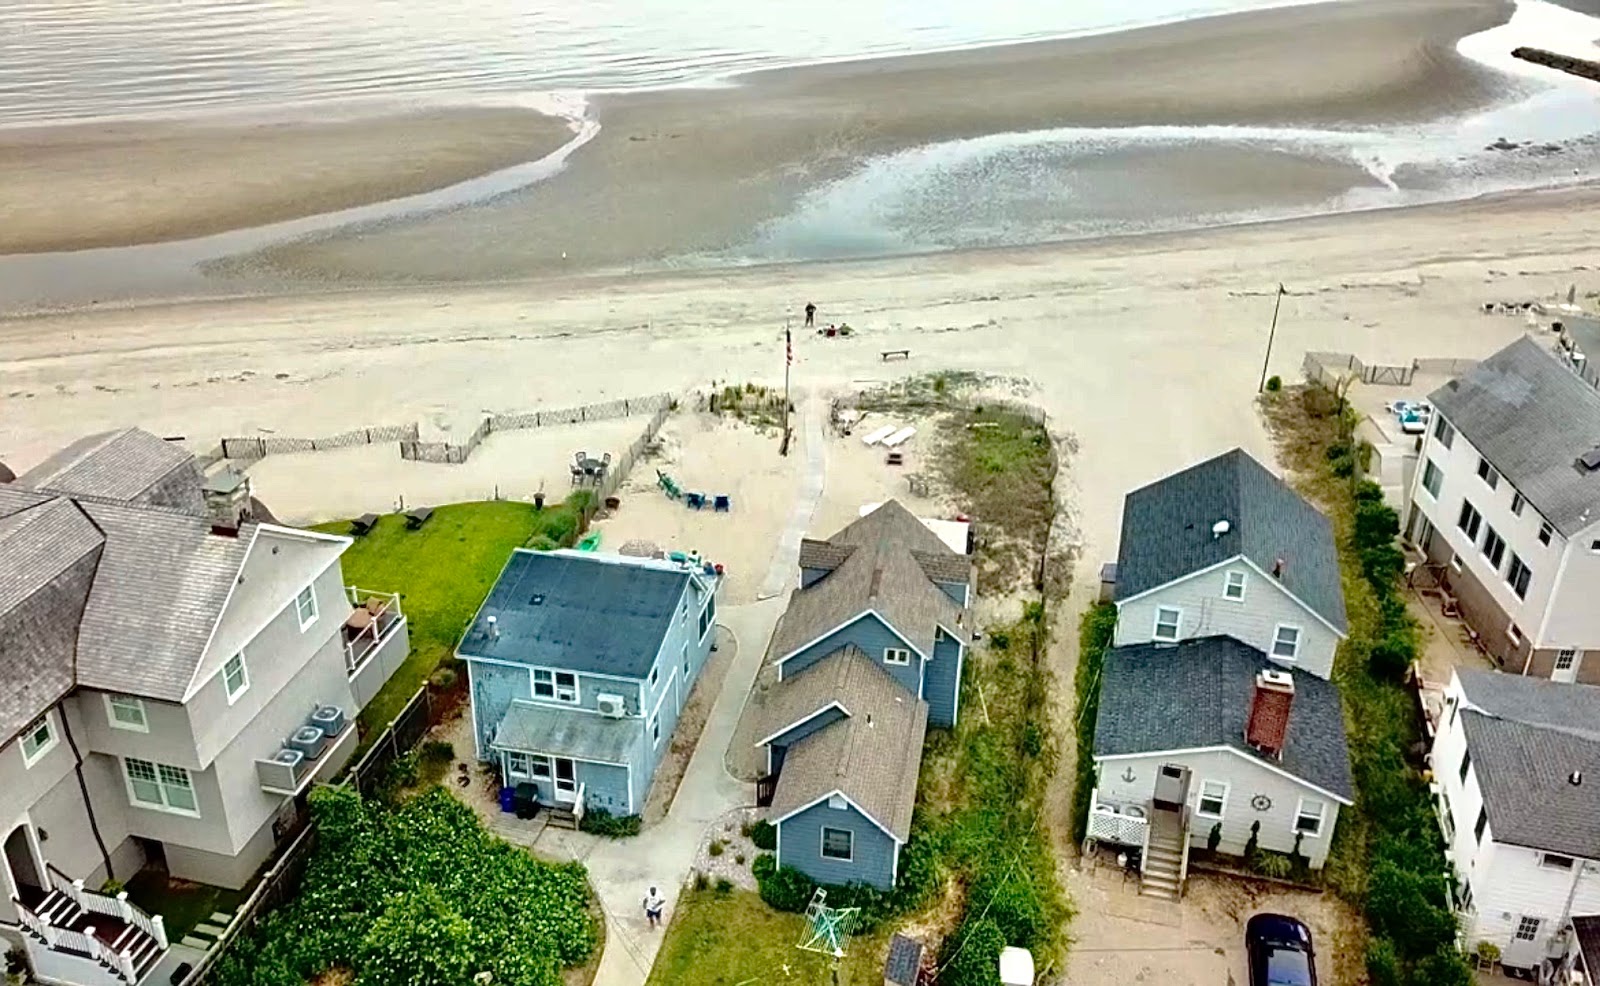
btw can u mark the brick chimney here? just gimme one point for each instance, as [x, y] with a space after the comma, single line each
[1268, 726]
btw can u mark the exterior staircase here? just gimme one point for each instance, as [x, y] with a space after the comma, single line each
[1165, 857]
[93, 931]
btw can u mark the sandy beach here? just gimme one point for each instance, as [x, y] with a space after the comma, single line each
[96, 185]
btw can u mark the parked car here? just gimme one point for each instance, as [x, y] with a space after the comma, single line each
[1279, 951]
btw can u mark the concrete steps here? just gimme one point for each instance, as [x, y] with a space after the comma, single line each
[1159, 877]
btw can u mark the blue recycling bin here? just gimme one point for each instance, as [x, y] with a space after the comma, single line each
[508, 799]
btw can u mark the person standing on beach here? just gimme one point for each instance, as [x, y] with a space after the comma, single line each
[652, 907]
[811, 314]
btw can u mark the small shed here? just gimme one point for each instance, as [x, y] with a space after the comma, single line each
[1108, 581]
[904, 964]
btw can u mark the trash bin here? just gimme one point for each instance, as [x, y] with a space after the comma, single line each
[508, 799]
[526, 800]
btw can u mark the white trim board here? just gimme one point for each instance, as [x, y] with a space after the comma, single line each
[835, 704]
[1099, 757]
[1236, 559]
[848, 800]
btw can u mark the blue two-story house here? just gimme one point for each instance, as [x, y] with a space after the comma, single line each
[579, 665]
[868, 655]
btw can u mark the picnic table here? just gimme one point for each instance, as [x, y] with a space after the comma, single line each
[363, 524]
[416, 518]
[896, 354]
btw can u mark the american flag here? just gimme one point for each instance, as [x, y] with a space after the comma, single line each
[788, 348]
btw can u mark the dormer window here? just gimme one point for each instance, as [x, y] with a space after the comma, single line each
[1233, 586]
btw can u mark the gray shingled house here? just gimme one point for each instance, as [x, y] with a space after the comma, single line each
[1226, 547]
[1516, 765]
[173, 676]
[868, 655]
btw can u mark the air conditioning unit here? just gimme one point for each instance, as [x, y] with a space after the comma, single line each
[309, 740]
[329, 719]
[611, 705]
[282, 772]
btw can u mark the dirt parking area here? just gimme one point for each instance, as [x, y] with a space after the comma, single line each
[1121, 938]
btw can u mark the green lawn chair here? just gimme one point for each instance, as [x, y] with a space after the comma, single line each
[666, 483]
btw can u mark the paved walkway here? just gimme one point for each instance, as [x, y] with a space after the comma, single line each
[664, 854]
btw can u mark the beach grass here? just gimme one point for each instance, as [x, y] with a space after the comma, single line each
[442, 571]
[723, 938]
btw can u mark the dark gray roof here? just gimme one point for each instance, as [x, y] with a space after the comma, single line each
[1523, 772]
[1167, 532]
[1535, 701]
[566, 732]
[577, 610]
[904, 963]
[129, 464]
[115, 596]
[1531, 418]
[881, 572]
[1588, 933]
[1197, 694]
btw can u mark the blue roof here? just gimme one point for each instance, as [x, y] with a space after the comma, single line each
[578, 611]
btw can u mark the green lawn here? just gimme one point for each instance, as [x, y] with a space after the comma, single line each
[442, 573]
[181, 904]
[734, 938]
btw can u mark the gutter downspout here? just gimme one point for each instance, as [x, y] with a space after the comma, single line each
[1578, 866]
[83, 788]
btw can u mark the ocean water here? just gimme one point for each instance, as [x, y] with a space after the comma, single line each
[81, 59]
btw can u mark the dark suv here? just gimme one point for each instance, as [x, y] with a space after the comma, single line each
[1279, 951]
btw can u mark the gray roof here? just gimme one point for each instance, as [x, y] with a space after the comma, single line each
[880, 572]
[1167, 532]
[1584, 331]
[156, 589]
[580, 611]
[1522, 770]
[129, 464]
[566, 732]
[803, 695]
[1527, 736]
[1197, 694]
[1588, 933]
[904, 963]
[872, 756]
[1531, 418]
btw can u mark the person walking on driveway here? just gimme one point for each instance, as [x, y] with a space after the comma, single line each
[652, 907]
[811, 314]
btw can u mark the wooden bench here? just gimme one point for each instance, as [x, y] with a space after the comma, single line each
[896, 353]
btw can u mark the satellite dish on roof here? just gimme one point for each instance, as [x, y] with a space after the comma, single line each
[1220, 528]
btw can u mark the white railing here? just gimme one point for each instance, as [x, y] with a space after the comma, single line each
[113, 907]
[1106, 824]
[386, 616]
[1183, 859]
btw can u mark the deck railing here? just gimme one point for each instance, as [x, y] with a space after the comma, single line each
[1107, 824]
[1183, 857]
[386, 616]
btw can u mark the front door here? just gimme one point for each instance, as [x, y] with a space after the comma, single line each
[1526, 950]
[1172, 787]
[566, 780]
[26, 878]
[1566, 666]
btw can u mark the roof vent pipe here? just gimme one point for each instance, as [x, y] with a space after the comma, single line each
[1220, 528]
[1575, 778]
[494, 628]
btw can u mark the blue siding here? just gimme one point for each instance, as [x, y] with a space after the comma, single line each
[606, 786]
[870, 634]
[872, 851]
[494, 686]
[942, 686]
[781, 743]
[811, 576]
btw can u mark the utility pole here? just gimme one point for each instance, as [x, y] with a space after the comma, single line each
[788, 361]
[1261, 387]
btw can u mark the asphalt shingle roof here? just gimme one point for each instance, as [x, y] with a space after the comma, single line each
[1167, 532]
[120, 465]
[1588, 929]
[873, 756]
[579, 611]
[881, 572]
[1523, 772]
[1536, 701]
[1197, 694]
[1532, 418]
[803, 695]
[566, 732]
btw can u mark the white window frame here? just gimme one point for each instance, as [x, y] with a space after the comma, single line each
[1546, 533]
[512, 756]
[900, 657]
[1515, 633]
[306, 601]
[850, 843]
[1518, 501]
[1455, 562]
[1299, 638]
[1202, 797]
[1511, 576]
[244, 677]
[1321, 816]
[1546, 857]
[1177, 625]
[1488, 473]
[655, 732]
[1444, 432]
[1469, 521]
[655, 674]
[1523, 920]
[545, 762]
[46, 723]
[710, 620]
[127, 703]
[1489, 538]
[161, 784]
[1429, 469]
[1234, 580]
[685, 657]
[558, 692]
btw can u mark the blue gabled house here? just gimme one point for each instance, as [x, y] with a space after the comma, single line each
[868, 655]
[578, 666]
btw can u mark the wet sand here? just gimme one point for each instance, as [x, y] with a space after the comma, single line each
[83, 186]
[676, 173]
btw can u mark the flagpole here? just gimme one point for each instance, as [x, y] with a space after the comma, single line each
[788, 359]
[1271, 333]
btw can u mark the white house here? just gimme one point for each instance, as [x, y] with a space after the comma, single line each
[1506, 506]
[1516, 766]
[1226, 547]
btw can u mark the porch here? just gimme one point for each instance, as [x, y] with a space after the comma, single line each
[1153, 838]
[376, 640]
[73, 934]
[566, 760]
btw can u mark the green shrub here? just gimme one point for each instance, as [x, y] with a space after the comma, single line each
[542, 542]
[1376, 523]
[1443, 968]
[405, 770]
[717, 847]
[1273, 864]
[419, 940]
[1094, 637]
[701, 881]
[443, 679]
[785, 888]
[973, 955]
[1214, 837]
[598, 821]
[1408, 907]
[1013, 905]
[724, 885]
[1252, 847]
[438, 751]
[765, 835]
[739, 859]
[1383, 966]
[1392, 654]
[1274, 384]
[763, 866]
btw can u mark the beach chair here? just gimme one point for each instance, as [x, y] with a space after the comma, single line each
[900, 437]
[722, 504]
[695, 501]
[416, 518]
[874, 437]
[666, 483]
[361, 525]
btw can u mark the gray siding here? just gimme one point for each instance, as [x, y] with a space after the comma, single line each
[1254, 619]
[496, 686]
[870, 634]
[942, 685]
[1246, 781]
[872, 851]
[606, 786]
[169, 739]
